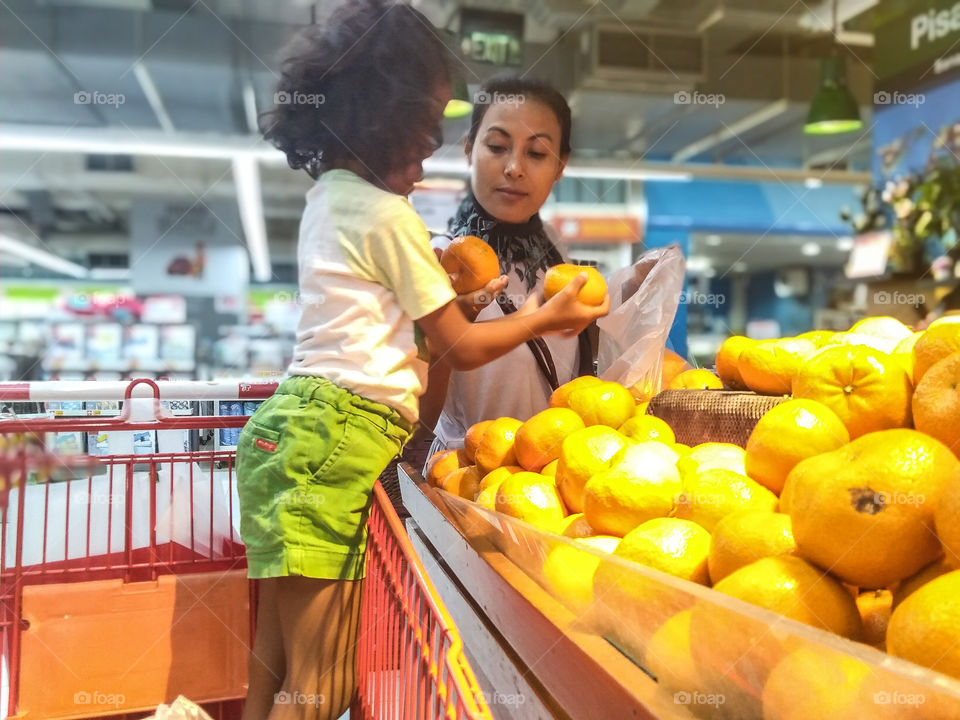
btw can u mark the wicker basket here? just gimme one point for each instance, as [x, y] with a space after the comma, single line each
[699, 416]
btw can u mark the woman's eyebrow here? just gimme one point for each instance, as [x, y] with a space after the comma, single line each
[503, 132]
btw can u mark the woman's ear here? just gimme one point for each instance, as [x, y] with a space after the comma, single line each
[468, 149]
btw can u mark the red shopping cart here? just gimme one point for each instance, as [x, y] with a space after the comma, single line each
[123, 579]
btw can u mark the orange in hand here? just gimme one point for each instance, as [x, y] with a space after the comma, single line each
[559, 276]
[472, 263]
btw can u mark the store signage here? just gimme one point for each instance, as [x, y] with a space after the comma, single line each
[918, 45]
[490, 37]
[598, 229]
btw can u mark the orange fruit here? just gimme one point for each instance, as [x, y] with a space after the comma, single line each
[939, 341]
[441, 463]
[728, 361]
[575, 526]
[885, 327]
[794, 588]
[583, 454]
[672, 545]
[880, 344]
[813, 682]
[472, 438]
[906, 587]
[539, 439]
[745, 536]
[673, 365]
[697, 379]
[496, 446]
[569, 569]
[559, 276]
[640, 486]
[866, 510]
[668, 656]
[936, 402]
[712, 456]
[768, 366]
[867, 389]
[464, 482]
[947, 519]
[531, 497]
[641, 428]
[550, 469]
[560, 396]
[498, 475]
[820, 338]
[875, 607]
[711, 495]
[924, 627]
[608, 403]
[641, 408]
[471, 263]
[788, 433]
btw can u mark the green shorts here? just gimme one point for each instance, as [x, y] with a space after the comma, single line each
[306, 464]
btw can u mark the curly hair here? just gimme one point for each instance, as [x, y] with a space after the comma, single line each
[516, 85]
[359, 89]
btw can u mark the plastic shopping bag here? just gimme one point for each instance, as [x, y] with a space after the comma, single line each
[180, 709]
[633, 335]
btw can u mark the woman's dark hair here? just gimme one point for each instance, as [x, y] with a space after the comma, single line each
[525, 88]
[359, 89]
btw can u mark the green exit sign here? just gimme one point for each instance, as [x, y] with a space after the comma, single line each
[493, 48]
[491, 37]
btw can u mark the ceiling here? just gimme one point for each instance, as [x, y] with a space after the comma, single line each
[203, 69]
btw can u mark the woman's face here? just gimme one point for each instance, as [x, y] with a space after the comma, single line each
[402, 180]
[515, 159]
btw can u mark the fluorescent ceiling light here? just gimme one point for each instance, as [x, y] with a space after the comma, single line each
[698, 264]
[813, 183]
[109, 274]
[40, 257]
[810, 249]
[845, 244]
[246, 179]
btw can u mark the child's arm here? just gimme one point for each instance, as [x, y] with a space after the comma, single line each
[465, 345]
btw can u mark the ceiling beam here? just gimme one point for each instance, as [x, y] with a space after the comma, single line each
[153, 97]
[733, 130]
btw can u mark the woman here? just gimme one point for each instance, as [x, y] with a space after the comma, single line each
[517, 148]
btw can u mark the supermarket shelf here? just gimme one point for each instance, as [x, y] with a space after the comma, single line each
[78, 365]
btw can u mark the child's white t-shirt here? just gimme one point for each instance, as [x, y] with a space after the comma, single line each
[366, 273]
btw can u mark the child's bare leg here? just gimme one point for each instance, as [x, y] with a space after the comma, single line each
[320, 621]
[267, 665]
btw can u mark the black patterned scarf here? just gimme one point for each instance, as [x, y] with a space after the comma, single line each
[523, 248]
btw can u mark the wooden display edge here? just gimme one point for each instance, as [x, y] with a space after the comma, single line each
[583, 674]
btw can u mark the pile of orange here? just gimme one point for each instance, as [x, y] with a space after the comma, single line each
[842, 511]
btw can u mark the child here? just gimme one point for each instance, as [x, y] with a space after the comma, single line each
[359, 106]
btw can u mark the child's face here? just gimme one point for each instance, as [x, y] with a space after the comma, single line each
[401, 181]
[516, 159]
